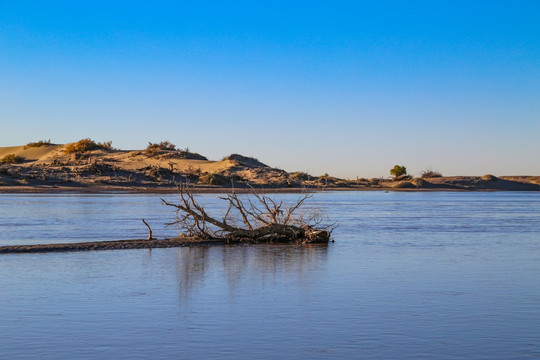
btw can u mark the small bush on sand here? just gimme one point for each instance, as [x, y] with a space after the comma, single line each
[87, 144]
[429, 173]
[398, 171]
[11, 159]
[38, 144]
[164, 145]
[106, 145]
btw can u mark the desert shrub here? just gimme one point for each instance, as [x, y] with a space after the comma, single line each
[164, 145]
[38, 143]
[87, 144]
[81, 146]
[105, 145]
[213, 179]
[11, 159]
[398, 171]
[490, 177]
[429, 173]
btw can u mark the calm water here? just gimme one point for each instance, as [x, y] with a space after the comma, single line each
[411, 275]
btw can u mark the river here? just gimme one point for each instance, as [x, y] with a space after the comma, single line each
[436, 275]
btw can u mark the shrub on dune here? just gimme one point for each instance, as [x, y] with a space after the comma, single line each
[11, 159]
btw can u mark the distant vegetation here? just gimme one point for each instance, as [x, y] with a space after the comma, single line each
[11, 159]
[398, 171]
[87, 144]
[38, 143]
[164, 145]
[154, 149]
[168, 150]
[428, 173]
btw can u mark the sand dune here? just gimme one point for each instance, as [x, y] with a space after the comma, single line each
[128, 159]
[32, 153]
[51, 167]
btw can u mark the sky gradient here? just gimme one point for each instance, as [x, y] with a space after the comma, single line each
[345, 88]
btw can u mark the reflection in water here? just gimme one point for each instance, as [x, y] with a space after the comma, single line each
[191, 265]
[237, 264]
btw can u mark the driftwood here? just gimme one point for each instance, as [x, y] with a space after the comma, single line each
[254, 218]
[108, 245]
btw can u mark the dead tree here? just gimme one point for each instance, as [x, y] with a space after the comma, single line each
[256, 218]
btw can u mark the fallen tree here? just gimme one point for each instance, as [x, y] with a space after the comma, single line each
[255, 218]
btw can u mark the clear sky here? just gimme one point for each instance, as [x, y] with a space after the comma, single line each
[350, 88]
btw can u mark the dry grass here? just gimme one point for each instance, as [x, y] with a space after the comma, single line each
[164, 145]
[429, 173]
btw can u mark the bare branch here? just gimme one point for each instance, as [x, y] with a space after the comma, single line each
[274, 220]
[149, 230]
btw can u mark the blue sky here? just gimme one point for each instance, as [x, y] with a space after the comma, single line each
[347, 88]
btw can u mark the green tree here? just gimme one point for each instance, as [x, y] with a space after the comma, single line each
[398, 171]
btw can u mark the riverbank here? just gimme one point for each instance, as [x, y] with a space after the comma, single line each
[51, 168]
[456, 183]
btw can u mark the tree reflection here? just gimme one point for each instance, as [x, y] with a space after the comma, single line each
[191, 265]
[237, 266]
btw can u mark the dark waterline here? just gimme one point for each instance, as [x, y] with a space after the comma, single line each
[411, 275]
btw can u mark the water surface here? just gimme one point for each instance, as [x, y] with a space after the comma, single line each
[411, 275]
